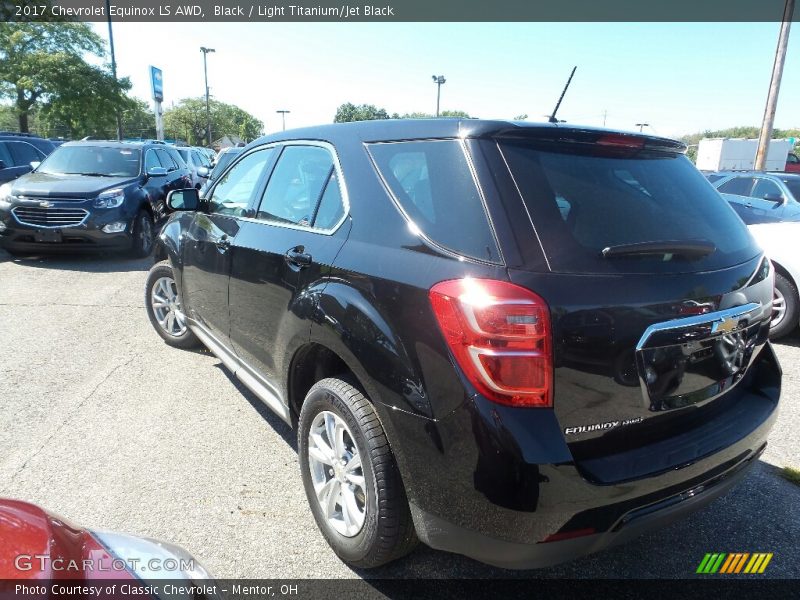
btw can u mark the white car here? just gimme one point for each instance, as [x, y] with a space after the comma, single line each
[781, 242]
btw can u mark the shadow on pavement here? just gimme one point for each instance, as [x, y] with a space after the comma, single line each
[87, 263]
[274, 421]
[758, 515]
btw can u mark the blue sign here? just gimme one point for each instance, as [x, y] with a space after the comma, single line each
[157, 83]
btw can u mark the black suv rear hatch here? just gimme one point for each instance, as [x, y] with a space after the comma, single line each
[660, 301]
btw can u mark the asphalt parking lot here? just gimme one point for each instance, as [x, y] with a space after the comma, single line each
[106, 425]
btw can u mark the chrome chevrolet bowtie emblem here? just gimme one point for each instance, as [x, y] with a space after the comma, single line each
[725, 325]
[45, 204]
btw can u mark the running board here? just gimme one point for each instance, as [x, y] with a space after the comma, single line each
[241, 370]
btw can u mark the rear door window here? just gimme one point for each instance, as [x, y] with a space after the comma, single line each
[765, 187]
[738, 186]
[583, 199]
[5, 155]
[296, 185]
[432, 183]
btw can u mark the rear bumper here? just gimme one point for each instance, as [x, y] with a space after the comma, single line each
[442, 535]
[498, 484]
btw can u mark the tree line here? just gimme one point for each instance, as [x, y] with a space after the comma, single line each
[52, 89]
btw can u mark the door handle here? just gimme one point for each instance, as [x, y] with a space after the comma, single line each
[223, 243]
[297, 257]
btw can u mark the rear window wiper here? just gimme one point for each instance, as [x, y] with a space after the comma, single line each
[688, 248]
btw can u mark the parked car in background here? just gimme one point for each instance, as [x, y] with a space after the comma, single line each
[18, 151]
[208, 153]
[198, 164]
[792, 163]
[39, 546]
[431, 304]
[760, 197]
[91, 195]
[780, 242]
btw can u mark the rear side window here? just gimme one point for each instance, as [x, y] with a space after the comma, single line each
[583, 200]
[432, 183]
[5, 155]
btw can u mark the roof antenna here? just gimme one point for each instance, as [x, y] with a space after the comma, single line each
[552, 118]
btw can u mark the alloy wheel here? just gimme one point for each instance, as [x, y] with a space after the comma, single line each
[167, 306]
[337, 473]
[778, 309]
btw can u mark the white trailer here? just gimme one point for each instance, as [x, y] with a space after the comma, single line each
[739, 154]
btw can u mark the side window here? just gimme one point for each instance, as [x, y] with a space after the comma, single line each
[295, 188]
[23, 153]
[199, 160]
[331, 207]
[739, 186]
[234, 191]
[166, 160]
[432, 182]
[5, 155]
[151, 160]
[792, 159]
[765, 187]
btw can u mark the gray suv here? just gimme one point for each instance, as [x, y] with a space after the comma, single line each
[760, 197]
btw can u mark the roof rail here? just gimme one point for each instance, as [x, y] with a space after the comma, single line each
[18, 133]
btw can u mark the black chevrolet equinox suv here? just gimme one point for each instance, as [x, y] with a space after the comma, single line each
[519, 342]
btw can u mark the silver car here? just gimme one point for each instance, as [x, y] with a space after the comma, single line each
[198, 163]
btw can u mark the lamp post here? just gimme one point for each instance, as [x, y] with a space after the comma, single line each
[205, 52]
[113, 66]
[283, 114]
[642, 126]
[438, 80]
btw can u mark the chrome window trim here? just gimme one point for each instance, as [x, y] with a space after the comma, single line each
[339, 175]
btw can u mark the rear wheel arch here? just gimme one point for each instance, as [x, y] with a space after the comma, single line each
[311, 363]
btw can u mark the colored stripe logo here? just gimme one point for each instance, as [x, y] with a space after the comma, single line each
[734, 563]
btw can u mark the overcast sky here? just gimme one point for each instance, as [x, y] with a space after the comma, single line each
[678, 77]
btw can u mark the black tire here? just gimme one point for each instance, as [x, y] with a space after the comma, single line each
[186, 339]
[387, 532]
[143, 234]
[786, 288]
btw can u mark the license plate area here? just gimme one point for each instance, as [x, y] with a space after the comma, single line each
[687, 361]
[48, 236]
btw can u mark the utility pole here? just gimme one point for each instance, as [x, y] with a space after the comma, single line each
[642, 126]
[438, 80]
[113, 65]
[205, 52]
[774, 88]
[605, 114]
[283, 114]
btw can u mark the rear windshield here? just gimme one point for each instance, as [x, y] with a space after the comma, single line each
[432, 183]
[92, 160]
[584, 200]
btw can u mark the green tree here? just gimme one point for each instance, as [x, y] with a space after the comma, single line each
[349, 112]
[139, 120]
[42, 65]
[187, 121]
[461, 114]
[522, 117]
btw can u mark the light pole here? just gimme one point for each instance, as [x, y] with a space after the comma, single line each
[642, 126]
[113, 65]
[438, 80]
[283, 114]
[205, 52]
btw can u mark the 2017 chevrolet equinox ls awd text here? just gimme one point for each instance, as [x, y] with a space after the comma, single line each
[518, 342]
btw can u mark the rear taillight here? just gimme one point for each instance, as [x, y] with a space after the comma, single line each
[500, 336]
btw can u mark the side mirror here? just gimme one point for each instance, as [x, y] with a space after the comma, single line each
[777, 198]
[203, 172]
[187, 199]
[156, 172]
[35, 164]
